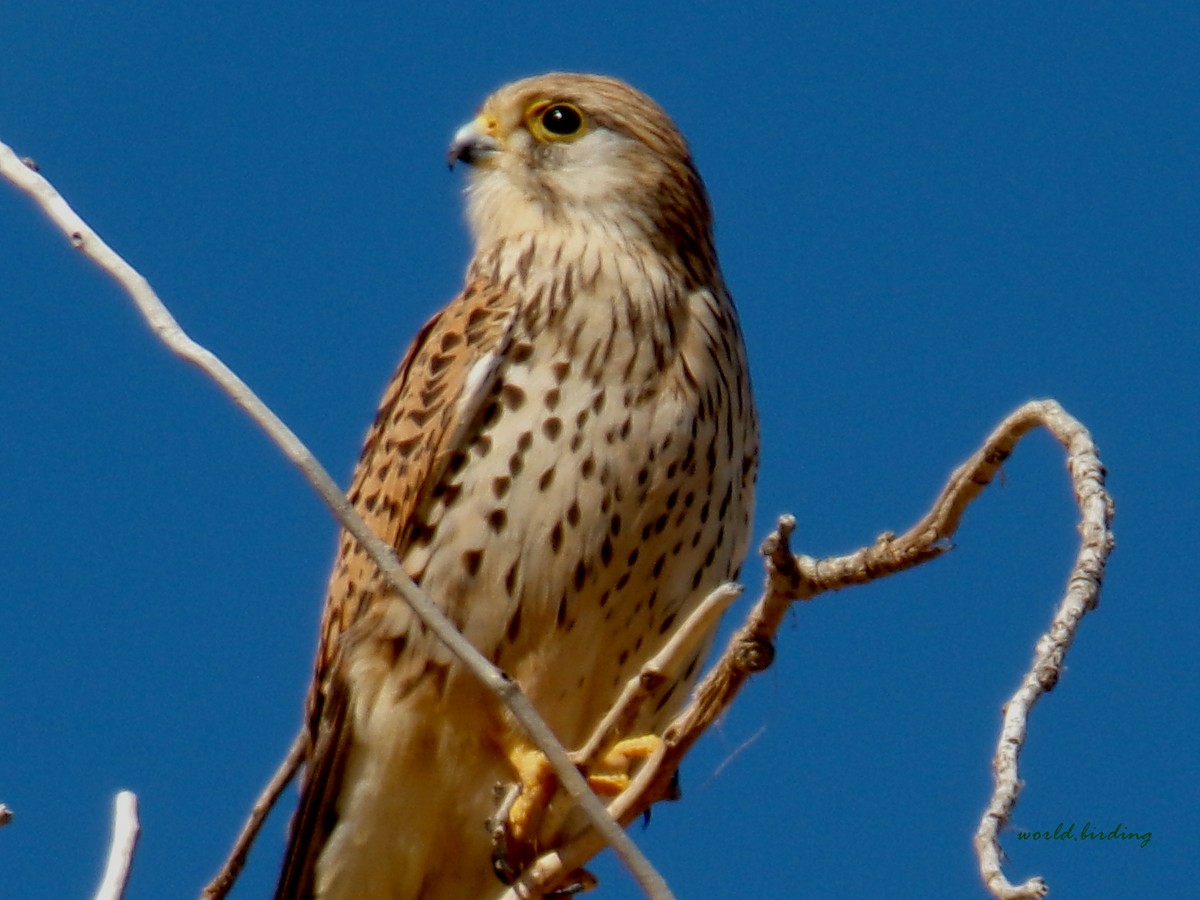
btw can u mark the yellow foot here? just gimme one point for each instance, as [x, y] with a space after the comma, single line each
[620, 758]
[538, 784]
[623, 754]
[517, 826]
[518, 821]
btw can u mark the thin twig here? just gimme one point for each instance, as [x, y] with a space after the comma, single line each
[120, 851]
[224, 880]
[657, 672]
[85, 239]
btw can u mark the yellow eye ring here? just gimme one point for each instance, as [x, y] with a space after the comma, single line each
[549, 120]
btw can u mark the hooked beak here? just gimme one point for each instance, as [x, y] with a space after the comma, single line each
[475, 143]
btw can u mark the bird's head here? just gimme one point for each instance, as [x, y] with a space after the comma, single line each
[586, 154]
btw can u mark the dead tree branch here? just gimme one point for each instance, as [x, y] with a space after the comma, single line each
[751, 649]
[797, 577]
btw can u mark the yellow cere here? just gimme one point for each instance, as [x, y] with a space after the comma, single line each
[488, 124]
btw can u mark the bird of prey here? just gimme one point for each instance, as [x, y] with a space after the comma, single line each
[564, 461]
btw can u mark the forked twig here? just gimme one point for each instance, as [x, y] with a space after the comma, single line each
[790, 578]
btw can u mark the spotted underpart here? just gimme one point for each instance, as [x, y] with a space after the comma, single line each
[565, 462]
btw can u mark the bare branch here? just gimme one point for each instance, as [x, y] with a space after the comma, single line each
[224, 880]
[120, 852]
[751, 648]
[1082, 596]
[789, 577]
[85, 239]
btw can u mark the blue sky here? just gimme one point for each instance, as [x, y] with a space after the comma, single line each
[927, 213]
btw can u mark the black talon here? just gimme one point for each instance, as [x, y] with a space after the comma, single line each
[584, 881]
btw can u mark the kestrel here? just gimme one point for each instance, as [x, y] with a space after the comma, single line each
[564, 461]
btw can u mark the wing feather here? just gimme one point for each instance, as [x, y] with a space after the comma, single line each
[426, 417]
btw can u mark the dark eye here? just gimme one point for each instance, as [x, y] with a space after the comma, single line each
[562, 120]
[555, 120]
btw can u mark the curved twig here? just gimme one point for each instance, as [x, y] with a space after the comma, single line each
[791, 577]
[1081, 597]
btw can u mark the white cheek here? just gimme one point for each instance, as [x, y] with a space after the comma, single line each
[585, 184]
[593, 170]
